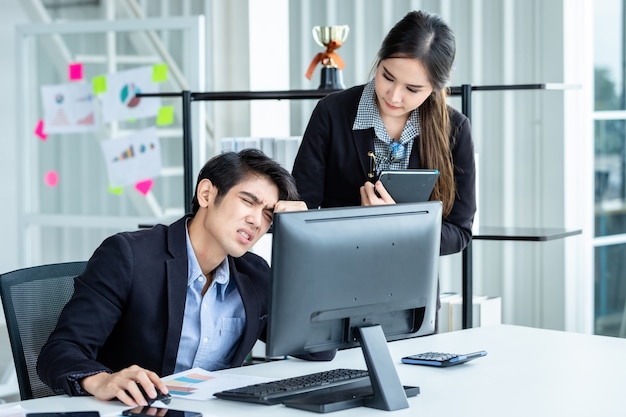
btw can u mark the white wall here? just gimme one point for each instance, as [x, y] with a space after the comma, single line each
[12, 14]
[526, 140]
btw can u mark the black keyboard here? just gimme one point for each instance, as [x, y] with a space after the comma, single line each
[275, 392]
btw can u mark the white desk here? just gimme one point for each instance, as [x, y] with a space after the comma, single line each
[527, 372]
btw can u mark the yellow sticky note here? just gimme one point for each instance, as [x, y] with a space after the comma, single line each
[99, 84]
[159, 73]
[116, 190]
[165, 116]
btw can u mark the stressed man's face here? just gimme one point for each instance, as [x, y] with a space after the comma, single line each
[242, 215]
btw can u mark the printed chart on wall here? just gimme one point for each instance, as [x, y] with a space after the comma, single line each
[69, 108]
[133, 157]
[198, 384]
[119, 97]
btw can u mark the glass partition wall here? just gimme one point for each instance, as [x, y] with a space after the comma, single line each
[67, 206]
[610, 167]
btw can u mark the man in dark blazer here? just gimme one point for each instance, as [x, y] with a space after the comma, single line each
[133, 317]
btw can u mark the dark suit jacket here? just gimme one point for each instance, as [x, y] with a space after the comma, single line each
[332, 164]
[137, 284]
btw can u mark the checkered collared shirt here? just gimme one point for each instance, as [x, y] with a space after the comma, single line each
[368, 116]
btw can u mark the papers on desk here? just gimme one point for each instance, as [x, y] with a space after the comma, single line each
[198, 384]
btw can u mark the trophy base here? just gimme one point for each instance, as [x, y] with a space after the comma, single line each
[331, 79]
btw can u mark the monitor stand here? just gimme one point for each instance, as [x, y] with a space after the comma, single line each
[383, 391]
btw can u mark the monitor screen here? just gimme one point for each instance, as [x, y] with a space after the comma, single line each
[337, 270]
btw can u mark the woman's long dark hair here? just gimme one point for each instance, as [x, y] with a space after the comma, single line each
[428, 38]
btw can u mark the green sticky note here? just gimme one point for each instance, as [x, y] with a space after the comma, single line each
[99, 84]
[165, 116]
[116, 190]
[159, 73]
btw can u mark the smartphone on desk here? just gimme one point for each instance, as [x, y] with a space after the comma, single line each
[148, 411]
[409, 185]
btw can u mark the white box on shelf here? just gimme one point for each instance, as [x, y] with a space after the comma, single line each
[486, 311]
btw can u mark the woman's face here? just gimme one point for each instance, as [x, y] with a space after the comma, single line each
[402, 85]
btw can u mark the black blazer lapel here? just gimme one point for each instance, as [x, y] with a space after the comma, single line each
[364, 143]
[176, 270]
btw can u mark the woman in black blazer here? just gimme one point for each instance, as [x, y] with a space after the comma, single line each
[399, 120]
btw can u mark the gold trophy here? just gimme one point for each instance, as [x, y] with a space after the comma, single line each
[330, 37]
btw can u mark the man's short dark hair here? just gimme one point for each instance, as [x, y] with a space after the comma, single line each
[230, 168]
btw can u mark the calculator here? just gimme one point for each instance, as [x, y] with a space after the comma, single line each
[441, 359]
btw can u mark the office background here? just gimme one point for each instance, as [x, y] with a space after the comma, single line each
[540, 161]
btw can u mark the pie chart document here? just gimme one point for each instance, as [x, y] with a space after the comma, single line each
[120, 101]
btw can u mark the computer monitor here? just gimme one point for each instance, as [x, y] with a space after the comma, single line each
[355, 276]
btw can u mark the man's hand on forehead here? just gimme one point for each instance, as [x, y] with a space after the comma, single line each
[284, 205]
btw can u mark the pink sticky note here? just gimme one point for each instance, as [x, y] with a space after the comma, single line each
[51, 178]
[39, 130]
[75, 71]
[144, 187]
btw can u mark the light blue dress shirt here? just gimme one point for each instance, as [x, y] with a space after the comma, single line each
[213, 324]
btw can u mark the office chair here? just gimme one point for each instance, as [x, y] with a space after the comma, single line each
[32, 299]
